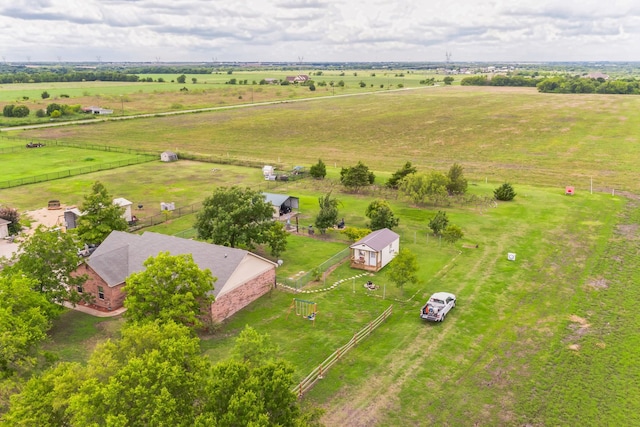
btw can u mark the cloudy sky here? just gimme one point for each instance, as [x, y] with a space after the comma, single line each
[319, 30]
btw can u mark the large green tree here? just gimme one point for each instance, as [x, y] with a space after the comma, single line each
[381, 216]
[99, 216]
[24, 321]
[156, 375]
[171, 288]
[403, 268]
[328, 215]
[356, 177]
[439, 223]
[238, 217]
[49, 257]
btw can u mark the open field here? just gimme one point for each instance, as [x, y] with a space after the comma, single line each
[549, 339]
[502, 134]
[210, 90]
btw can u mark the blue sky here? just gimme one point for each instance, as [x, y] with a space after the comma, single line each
[319, 30]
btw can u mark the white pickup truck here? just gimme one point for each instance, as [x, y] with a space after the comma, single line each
[438, 306]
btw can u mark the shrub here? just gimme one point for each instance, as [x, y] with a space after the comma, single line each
[55, 114]
[41, 113]
[7, 111]
[504, 193]
[319, 170]
[64, 95]
[45, 95]
[354, 233]
[54, 107]
[452, 233]
[21, 111]
[312, 87]
[439, 223]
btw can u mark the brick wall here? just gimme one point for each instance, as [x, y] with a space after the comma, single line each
[230, 303]
[113, 297]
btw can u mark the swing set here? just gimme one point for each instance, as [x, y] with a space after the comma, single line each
[306, 309]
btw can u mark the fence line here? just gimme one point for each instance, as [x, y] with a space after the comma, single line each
[315, 273]
[73, 172]
[318, 373]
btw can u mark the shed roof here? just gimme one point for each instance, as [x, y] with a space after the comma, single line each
[377, 240]
[122, 202]
[4, 221]
[122, 254]
[275, 199]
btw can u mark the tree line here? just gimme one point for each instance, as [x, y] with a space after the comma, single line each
[560, 84]
[38, 76]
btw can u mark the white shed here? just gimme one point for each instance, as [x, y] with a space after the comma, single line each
[4, 228]
[375, 250]
[124, 203]
[168, 156]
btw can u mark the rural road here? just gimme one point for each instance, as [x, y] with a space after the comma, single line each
[199, 110]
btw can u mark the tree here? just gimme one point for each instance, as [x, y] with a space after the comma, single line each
[319, 170]
[7, 111]
[99, 216]
[356, 177]
[11, 214]
[452, 233]
[181, 79]
[21, 111]
[403, 268]
[24, 321]
[45, 95]
[399, 175]
[505, 192]
[422, 188]
[153, 375]
[41, 113]
[457, 182]
[312, 87]
[276, 238]
[236, 217]
[171, 288]
[194, 80]
[448, 80]
[53, 107]
[328, 215]
[438, 223]
[49, 257]
[381, 216]
[253, 348]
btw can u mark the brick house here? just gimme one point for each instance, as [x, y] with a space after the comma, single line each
[242, 276]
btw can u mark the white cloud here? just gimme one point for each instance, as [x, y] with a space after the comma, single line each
[320, 30]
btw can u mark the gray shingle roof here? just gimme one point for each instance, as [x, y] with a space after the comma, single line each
[377, 240]
[122, 254]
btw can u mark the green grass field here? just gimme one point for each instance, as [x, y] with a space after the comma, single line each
[548, 339]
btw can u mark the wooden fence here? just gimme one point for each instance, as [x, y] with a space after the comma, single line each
[319, 372]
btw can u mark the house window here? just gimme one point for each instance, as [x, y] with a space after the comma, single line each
[79, 289]
[100, 292]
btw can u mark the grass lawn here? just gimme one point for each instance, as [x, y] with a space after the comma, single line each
[54, 161]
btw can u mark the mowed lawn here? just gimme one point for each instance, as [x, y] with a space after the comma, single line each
[498, 134]
[54, 160]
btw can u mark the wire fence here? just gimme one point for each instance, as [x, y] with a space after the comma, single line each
[316, 273]
[73, 172]
[318, 373]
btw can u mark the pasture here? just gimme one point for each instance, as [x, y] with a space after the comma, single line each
[548, 339]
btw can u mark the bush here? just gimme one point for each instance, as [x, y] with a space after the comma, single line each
[45, 95]
[54, 107]
[504, 193]
[452, 233]
[55, 114]
[319, 170]
[312, 87]
[21, 111]
[354, 234]
[41, 113]
[7, 111]
[439, 223]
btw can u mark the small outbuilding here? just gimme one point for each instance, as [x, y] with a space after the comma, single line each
[375, 250]
[124, 203]
[283, 204]
[168, 156]
[4, 228]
